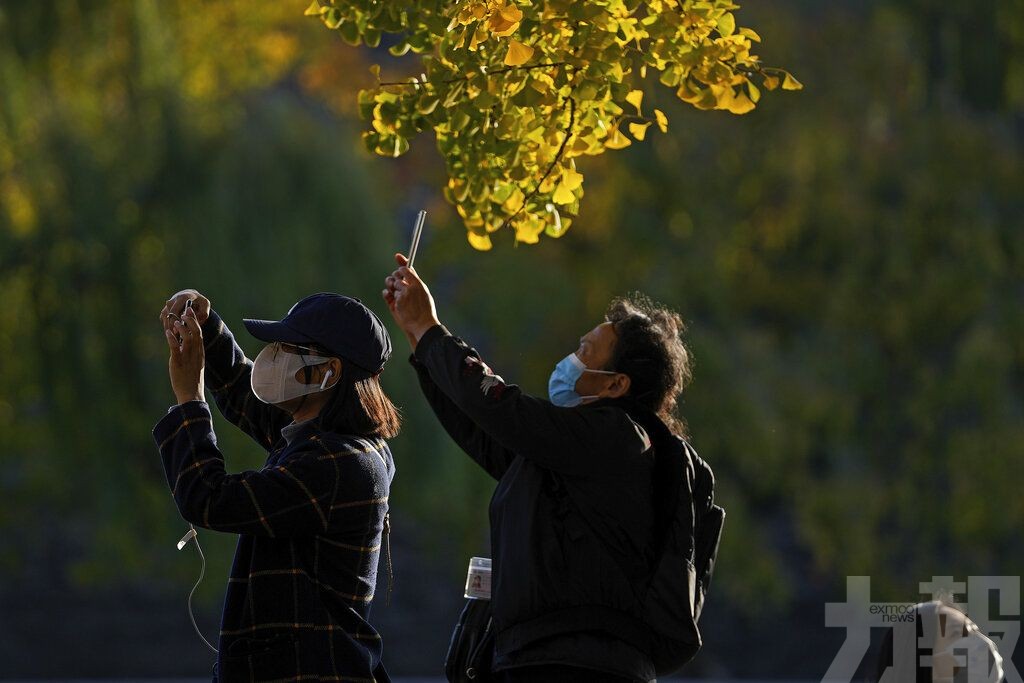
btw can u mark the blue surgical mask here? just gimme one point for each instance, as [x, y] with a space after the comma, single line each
[562, 385]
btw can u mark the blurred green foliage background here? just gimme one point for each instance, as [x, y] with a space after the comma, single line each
[850, 261]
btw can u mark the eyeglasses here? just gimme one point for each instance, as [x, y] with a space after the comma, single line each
[294, 349]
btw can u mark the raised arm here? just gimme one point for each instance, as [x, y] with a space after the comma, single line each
[292, 499]
[228, 371]
[229, 377]
[587, 441]
[475, 442]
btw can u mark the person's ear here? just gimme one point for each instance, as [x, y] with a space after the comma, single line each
[331, 374]
[619, 386]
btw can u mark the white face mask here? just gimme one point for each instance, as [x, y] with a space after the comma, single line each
[273, 374]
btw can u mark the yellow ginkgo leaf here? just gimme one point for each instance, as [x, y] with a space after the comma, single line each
[635, 97]
[639, 130]
[771, 82]
[790, 83]
[662, 120]
[750, 33]
[479, 36]
[314, 9]
[528, 230]
[512, 13]
[479, 242]
[518, 54]
[724, 98]
[527, 236]
[563, 195]
[740, 104]
[571, 178]
[617, 140]
[515, 200]
[688, 93]
[505, 21]
[727, 24]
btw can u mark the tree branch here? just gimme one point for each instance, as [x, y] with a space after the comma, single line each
[551, 167]
[525, 67]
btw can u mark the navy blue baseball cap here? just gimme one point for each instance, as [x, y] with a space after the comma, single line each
[341, 325]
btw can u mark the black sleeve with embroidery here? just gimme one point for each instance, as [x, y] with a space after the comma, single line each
[477, 444]
[291, 499]
[228, 376]
[587, 440]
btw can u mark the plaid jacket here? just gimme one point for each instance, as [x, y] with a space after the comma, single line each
[310, 524]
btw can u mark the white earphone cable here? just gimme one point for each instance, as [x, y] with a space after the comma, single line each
[202, 572]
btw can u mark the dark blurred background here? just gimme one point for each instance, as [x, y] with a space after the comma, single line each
[850, 261]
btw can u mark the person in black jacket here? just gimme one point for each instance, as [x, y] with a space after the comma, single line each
[310, 521]
[572, 517]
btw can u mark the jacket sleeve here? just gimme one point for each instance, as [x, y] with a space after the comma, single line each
[477, 444]
[228, 375]
[294, 499]
[585, 441]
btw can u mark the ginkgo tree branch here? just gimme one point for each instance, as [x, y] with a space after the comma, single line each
[551, 166]
[606, 49]
[525, 67]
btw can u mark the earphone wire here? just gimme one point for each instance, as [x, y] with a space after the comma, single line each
[202, 573]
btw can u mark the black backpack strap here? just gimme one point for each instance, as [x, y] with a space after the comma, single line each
[680, 471]
[672, 473]
[709, 534]
[709, 519]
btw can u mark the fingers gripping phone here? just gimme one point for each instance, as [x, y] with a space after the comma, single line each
[184, 312]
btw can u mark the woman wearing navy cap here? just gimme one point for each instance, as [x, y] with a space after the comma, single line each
[312, 520]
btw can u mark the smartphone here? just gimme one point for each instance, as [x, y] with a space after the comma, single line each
[417, 231]
[188, 305]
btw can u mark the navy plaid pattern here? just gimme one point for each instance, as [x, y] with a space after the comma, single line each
[310, 525]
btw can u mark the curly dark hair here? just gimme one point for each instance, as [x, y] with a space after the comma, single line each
[651, 351]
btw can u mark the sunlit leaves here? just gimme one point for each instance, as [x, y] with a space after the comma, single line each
[479, 242]
[503, 21]
[639, 130]
[514, 91]
[617, 140]
[726, 24]
[790, 83]
[635, 97]
[661, 120]
[518, 54]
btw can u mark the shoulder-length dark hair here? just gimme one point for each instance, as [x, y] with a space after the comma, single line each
[358, 405]
[649, 348]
